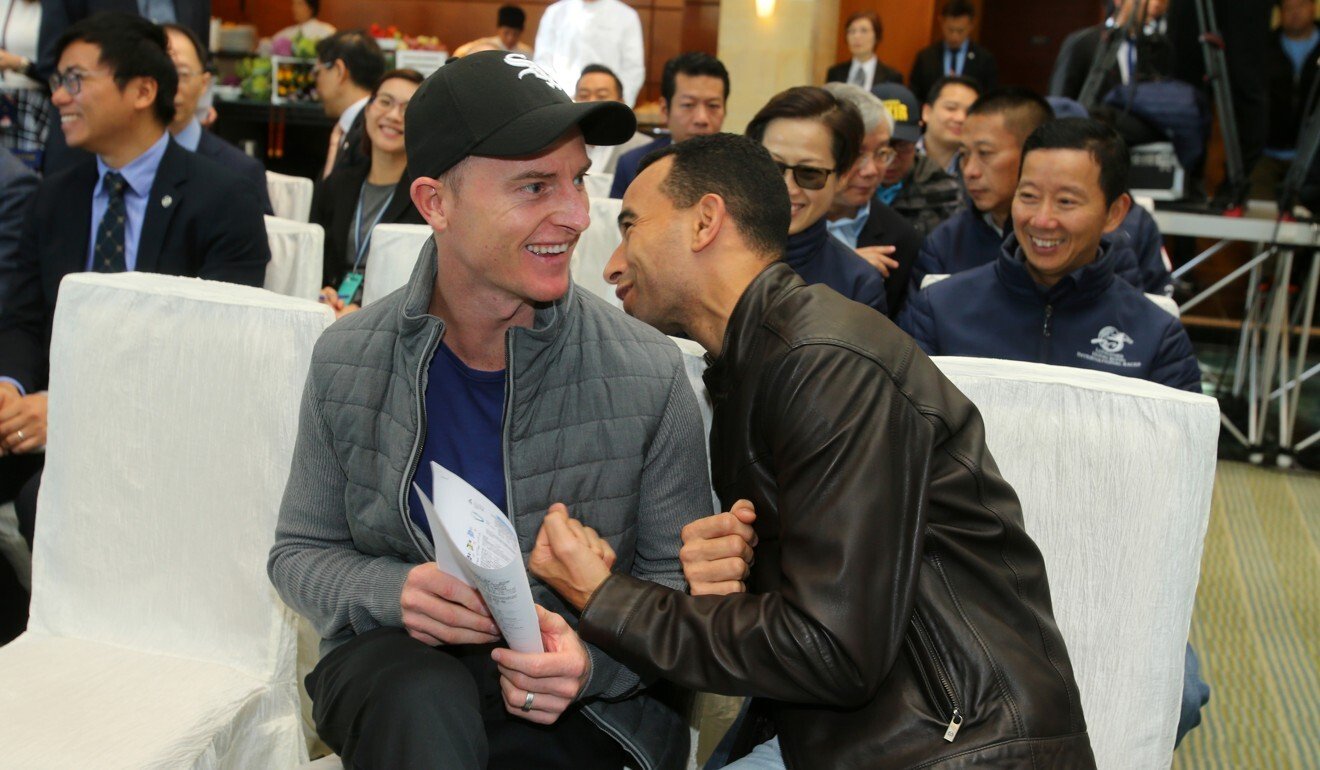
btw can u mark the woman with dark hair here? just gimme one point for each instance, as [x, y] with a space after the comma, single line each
[815, 137]
[354, 199]
[863, 33]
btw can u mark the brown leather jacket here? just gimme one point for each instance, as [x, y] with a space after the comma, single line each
[897, 614]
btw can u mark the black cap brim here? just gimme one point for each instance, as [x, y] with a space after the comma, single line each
[602, 123]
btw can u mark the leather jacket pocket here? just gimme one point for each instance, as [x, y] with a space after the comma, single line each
[935, 678]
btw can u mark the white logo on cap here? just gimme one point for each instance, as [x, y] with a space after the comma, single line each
[529, 67]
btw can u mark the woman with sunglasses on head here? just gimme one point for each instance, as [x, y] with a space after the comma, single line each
[815, 139]
[354, 199]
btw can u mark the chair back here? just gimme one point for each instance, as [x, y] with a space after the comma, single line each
[290, 196]
[1115, 478]
[297, 258]
[391, 257]
[173, 412]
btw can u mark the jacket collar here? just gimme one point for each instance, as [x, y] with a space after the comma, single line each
[415, 315]
[771, 285]
[804, 245]
[1079, 286]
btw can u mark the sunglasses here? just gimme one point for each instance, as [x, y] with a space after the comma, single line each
[807, 177]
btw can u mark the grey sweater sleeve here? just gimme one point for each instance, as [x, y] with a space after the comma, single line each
[675, 491]
[313, 563]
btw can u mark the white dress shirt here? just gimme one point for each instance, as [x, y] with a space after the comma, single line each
[575, 33]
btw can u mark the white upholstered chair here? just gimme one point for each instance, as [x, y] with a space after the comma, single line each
[156, 639]
[1115, 477]
[290, 196]
[391, 257]
[297, 258]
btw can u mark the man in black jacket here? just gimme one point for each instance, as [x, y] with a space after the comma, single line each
[955, 54]
[141, 203]
[1290, 71]
[193, 64]
[897, 614]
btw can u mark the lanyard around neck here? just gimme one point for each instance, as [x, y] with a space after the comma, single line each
[357, 225]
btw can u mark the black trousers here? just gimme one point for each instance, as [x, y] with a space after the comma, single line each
[385, 700]
[20, 475]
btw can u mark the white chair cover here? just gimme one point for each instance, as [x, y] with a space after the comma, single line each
[297, 256]
[1115, 477]
[156, 639]
[391, 257]
[290, 196]
[594, 248]
[598, 185]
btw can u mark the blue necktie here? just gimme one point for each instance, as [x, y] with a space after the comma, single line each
[110, 257]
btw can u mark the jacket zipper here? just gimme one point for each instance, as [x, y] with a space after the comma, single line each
[505, 440]
[433, 342]
[1045, 334]
[942, 675]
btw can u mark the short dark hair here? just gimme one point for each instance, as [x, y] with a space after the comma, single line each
[412, 76]
[203, 55]
[692, 64]
[740, 171]
[958, 8]
[601, 69]
[359, 52]
[134, 48]
[510, 16]
[1103, 143]
[933, 94]
[877, 26]
[812, 103]
[315, 5]
[1024, 110]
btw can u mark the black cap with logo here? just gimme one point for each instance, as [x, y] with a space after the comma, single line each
[502, 105]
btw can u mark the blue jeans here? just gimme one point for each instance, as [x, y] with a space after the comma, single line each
[1196, 693]
[765, 756]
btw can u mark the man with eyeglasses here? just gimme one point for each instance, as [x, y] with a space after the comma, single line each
[58, 15]
[914, 185]
[875, 231]
[192, 62]
[141, 203]
[348, 65]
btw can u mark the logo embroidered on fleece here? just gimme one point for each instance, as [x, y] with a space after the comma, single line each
[1109, 344]
[529, 67]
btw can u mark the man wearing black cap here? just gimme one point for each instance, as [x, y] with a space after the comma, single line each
[914, 185]
[491, 363]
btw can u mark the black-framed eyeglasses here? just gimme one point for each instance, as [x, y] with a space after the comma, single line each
[70, 81]
[807, 177]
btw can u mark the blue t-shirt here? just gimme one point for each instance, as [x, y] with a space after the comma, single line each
[464, 417]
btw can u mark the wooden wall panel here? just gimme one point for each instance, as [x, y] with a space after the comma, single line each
[668, 26]
[908, 29]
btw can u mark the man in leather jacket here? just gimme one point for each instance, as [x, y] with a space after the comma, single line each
[897, 614]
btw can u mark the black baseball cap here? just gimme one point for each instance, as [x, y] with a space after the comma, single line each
[502, 105]
[903, 107]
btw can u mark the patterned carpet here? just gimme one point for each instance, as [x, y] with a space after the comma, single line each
[1257, 624]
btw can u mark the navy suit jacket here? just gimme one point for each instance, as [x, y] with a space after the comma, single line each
[18, 186]
[929, 67]
[202, 220]
[229, 156]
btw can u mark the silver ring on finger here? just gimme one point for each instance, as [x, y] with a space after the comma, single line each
[527, 702]
[19, 434]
